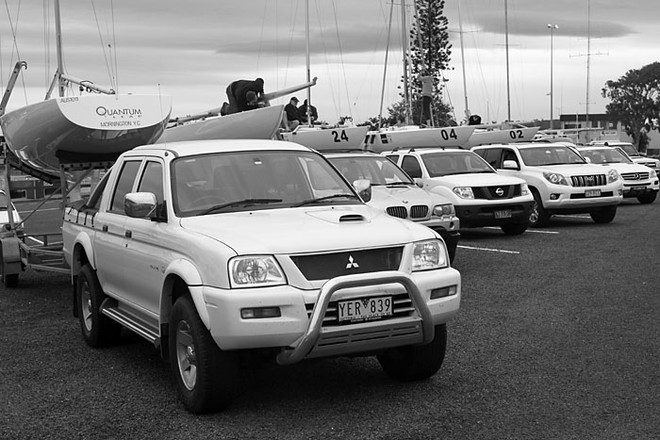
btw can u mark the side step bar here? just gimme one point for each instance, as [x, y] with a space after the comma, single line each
[130, 321]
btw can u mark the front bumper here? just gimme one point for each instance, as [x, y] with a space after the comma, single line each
[486, 214]
[300, 335]
[569, 199]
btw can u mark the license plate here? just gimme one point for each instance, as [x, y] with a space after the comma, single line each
[592, 193]
[365, 309]
[638, 188]
[503, 214]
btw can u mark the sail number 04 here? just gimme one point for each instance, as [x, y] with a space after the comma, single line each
[448, 134]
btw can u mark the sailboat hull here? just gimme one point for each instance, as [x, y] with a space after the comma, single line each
[260, 123]
[501, 136]
[83, 129]
[324, 139]
[415, 137]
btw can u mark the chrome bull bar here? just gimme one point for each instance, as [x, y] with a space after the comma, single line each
[292, 355]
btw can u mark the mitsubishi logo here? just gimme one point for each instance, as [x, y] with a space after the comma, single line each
[499, 192]
[351, 263]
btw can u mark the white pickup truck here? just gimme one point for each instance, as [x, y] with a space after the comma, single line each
[224, 252]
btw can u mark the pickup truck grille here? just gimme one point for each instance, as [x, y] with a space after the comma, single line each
[416, 212]
[326, 266]
[496, 192]
[402, 306]
[591, 180]
[635, 176]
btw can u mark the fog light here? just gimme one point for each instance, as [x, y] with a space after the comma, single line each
[444, 291]
[554, 196]
[261, 312]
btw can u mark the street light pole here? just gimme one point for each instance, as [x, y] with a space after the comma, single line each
[552, 28]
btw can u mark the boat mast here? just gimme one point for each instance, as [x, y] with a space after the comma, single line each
[460, 33]
[387, 52]
[58, 40]
[309, 76]
[506, 42]
[404, 43]
[586, 110]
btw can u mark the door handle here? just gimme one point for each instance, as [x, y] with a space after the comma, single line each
[105, 228]
[128, 234]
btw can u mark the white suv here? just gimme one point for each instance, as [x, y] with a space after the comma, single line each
[561, 181]
[629, 150]
[481, 196]
[638, 180]
[394, 192]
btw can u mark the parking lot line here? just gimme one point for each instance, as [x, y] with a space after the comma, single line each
[528, 230]
[488, 249]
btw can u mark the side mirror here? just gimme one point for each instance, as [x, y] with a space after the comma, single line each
[587, 159]
[363, 188]
[510, 165]
[140, 204]
[419, 183]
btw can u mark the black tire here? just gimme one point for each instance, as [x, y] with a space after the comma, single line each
[538, 217]
[206, 377]
[97, 329]
[10, 281]
[603, 215]
[514, 228]
[416, 362]
[647, 198]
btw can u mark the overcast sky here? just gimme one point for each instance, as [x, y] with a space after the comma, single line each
[192, 50]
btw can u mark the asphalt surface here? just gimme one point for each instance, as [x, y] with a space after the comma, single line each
[557, 338]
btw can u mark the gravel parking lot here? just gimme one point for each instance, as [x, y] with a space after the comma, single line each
[557, 338]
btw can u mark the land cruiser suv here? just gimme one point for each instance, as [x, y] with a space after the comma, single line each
[638, 180]
[481, 196]
[561, 181]
[629, 150]
[394, 192]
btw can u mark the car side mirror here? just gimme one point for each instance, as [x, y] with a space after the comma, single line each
[419, 183]
[510, 165]
[587, 159]
[140, 204]
[363, 188]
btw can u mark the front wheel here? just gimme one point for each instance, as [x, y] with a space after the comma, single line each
[538, 217]
[514, 228]
[416, 362]
[647, 198]
[97, 329]
[206, 376]
[603, 215]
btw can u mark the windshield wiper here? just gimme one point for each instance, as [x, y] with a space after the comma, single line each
[396, 184]
[244, 202]
[322, 199]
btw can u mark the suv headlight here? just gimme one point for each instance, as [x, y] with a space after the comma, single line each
[429, 254]
[464, 192]
[255, 270]
[612, 176]
[444, 209]
[556, 178]
[524, 189]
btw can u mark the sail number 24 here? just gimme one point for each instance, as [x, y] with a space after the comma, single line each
[339, 136]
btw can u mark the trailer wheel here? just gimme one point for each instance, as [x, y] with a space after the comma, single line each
[10, 280]
[98, 330]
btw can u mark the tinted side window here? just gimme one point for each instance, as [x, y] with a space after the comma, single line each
[124, 185]
[94, 200]
[492, 156]
[411, 166]
[152, 180]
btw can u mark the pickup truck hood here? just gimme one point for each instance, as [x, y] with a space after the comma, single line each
[478, 179]
[306, 229]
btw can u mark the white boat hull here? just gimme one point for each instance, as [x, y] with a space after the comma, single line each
[323, 139]
[500, 136]
[414, 137]
[83, 128]
[260, 123]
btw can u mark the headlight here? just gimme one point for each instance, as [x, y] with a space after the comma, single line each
[524, 189]
[255, 270]
[555, 178]
[464, 192]
[612, 176]
[446, 209]
[430, 254]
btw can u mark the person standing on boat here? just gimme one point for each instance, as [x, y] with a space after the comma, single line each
[302, 113]
[237, 93]
[292, 120]
[427, 98]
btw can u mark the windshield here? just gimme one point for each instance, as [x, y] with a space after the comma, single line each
[549, 155]
[629, 149]
[240, 181]
[455, 162]
[378, 170]
[605, 155]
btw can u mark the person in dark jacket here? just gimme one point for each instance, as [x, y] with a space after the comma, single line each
[302, 113]
[291, 114]
[244, 95]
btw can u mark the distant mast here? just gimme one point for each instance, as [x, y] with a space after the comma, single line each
[506, 42]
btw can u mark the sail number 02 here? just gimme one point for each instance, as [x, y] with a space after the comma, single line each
[516, 134]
